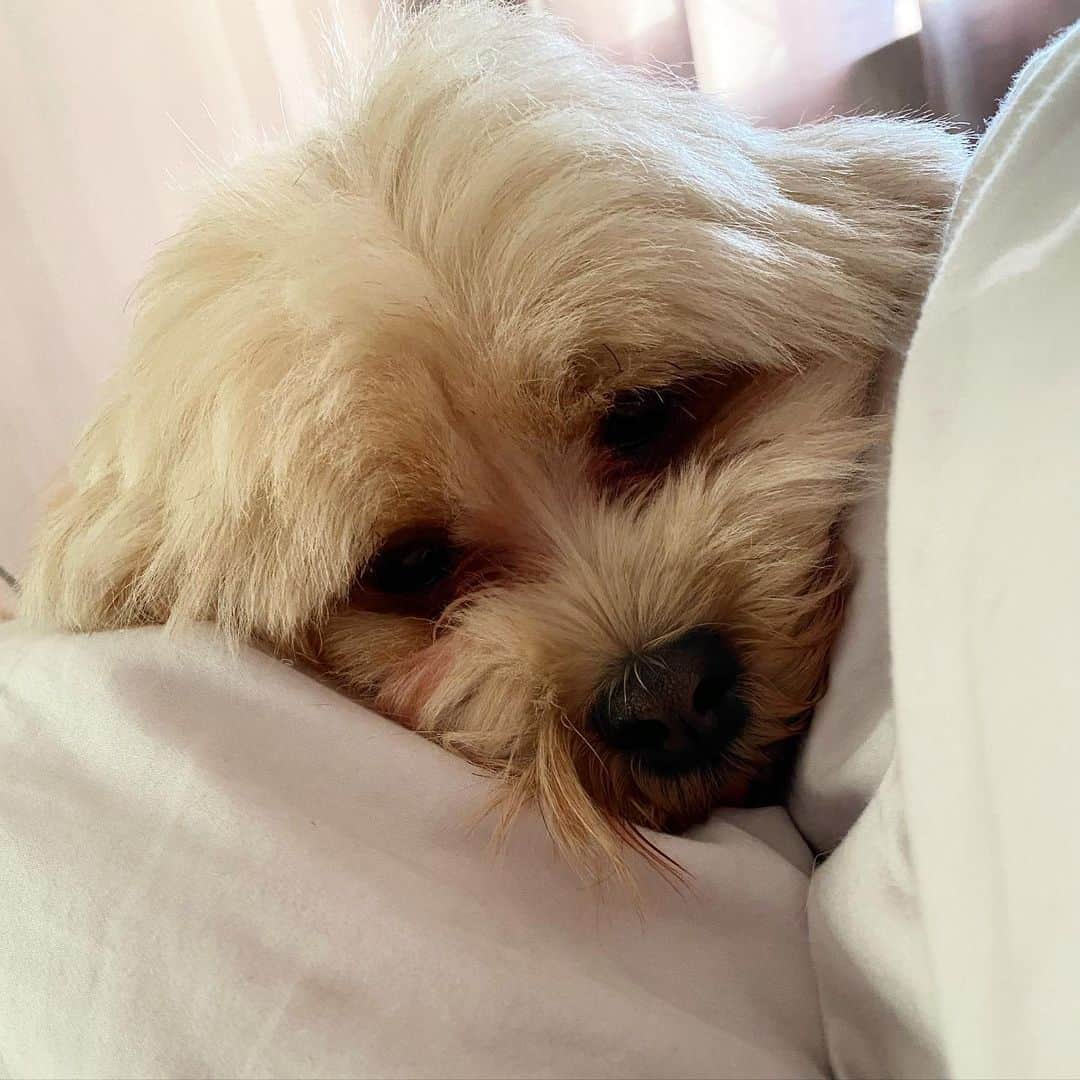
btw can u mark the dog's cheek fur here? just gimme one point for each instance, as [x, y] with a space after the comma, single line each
[365, 649]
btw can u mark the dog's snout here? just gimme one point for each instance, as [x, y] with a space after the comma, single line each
[676, 707]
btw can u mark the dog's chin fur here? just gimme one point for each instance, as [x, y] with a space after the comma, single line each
[418, 316]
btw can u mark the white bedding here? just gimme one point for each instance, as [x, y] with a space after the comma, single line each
[945, 929]
[215, 866]
[223, 868]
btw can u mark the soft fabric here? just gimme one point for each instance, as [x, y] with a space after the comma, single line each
[215, 866]
[984, 536]
[945, 928]
[850, 743]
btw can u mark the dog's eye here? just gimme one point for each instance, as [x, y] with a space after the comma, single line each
[636, 420]
[413, 565]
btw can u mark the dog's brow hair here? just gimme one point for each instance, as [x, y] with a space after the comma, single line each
[614, 356]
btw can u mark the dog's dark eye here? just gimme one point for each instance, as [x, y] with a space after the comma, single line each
[411, 566]
[635, 420]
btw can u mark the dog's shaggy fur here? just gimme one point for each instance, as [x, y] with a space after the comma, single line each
[418, 318]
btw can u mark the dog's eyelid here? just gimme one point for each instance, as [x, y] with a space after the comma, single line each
[635, 419]
[411, 561]
[645, 395]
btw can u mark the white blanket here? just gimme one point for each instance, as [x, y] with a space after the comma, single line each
[946, 928]
[214, 866]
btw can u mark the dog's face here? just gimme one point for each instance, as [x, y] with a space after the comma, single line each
[612, 575]
[525, 402]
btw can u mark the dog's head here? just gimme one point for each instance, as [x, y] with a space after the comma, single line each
[525, 400]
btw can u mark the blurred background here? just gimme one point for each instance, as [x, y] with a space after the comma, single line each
[110, 111]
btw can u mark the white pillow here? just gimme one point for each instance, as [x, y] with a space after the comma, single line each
[215, 866]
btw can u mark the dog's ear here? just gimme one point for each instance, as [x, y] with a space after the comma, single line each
[874, 195]
[223, 481]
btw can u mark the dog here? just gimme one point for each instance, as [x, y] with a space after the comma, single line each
[524, 399]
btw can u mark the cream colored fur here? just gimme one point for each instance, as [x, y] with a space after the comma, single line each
[419, 315]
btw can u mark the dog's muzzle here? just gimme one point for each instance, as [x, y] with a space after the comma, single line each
[676, 708]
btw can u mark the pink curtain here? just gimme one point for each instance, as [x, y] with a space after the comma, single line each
[783, 61]
[779, 60]
[112, 111]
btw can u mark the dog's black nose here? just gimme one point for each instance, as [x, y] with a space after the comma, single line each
[677, 707]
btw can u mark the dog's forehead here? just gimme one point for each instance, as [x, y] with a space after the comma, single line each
[432, 407]
[437, 394]
[553, 227]
[506, 304]
[453, 377]
[541, 259]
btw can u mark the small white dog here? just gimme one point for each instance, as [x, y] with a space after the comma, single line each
[525, 401]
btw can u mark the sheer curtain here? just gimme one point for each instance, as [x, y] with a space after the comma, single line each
[776, 59]
[783, 61]
[110, 112]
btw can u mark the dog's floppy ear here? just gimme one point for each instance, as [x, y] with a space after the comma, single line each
[876, 192]
[222, 481]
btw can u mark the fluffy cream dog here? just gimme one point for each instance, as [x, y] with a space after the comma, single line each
[524, 400]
